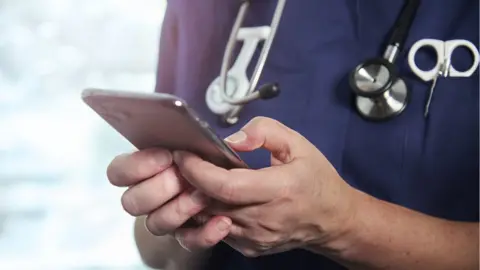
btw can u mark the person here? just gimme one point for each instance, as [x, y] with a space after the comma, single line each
[327, 189]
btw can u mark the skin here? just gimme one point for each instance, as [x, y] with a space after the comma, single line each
[164, 252]
[300, 201]
[153, 181]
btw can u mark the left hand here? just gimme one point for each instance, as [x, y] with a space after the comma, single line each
[297, 202]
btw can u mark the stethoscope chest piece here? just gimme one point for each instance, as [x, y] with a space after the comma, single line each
[228, 93]
[380, 93]
[236, 87]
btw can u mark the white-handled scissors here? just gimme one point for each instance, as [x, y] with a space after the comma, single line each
[443, 67]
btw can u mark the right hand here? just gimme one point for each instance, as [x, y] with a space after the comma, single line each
[156, 189]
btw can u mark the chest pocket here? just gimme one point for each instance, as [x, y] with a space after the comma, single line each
[446, 171]
[427, 164]
[308, 28]
[449, 156]
[314, 49]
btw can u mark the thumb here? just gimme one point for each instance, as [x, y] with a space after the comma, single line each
[262, 132]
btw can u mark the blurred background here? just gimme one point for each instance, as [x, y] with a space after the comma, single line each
[57, 210]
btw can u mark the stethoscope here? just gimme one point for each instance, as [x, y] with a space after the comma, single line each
[380, 93]
[227, 94]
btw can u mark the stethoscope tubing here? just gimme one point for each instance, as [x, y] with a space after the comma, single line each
[379, 87]
[227, 57]
[262, 58]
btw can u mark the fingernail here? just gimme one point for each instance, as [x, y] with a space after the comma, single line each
[223, 225]
[164, 157]
[198, 197]
[236, 137]
[177, 156]
[179, 239]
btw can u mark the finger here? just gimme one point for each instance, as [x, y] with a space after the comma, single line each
[207, 236]
[175, 213]
[129, 169]
[150, 194]
[202, 218]
[237, 232]
[266, 133]
[239, 186]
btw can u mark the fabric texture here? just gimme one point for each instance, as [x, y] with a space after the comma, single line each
[428, 165]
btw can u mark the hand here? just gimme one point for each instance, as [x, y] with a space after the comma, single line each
[298, 201]
[156, 189]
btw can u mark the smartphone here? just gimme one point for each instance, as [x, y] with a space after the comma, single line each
[150, 120]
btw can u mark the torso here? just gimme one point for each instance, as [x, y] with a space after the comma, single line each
[429, 165]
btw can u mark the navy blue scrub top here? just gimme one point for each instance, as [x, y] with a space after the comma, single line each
[429, 165]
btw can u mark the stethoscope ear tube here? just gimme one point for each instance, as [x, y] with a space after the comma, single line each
[252, 93]
[403, 24]
[228, 54]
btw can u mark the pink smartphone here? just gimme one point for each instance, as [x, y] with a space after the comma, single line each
[149, 120]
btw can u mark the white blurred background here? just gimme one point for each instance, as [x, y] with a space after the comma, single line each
[57, 210]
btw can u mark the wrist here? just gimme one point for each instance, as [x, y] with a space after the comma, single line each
[337, 237]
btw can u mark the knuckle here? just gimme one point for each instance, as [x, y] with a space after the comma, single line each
[227, 191]
[265, 243]
[265, 122]
[185, 207]
[143, 164]
[249, 253]
[179, 207]
[155, 158]
[168, 181]
[258, 242]
[261, 120]
[266, 125]
[260, 123]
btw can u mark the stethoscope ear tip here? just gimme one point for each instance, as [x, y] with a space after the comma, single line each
[269, 91]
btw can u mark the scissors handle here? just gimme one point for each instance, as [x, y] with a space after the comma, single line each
[444, 50]
[450, 46]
